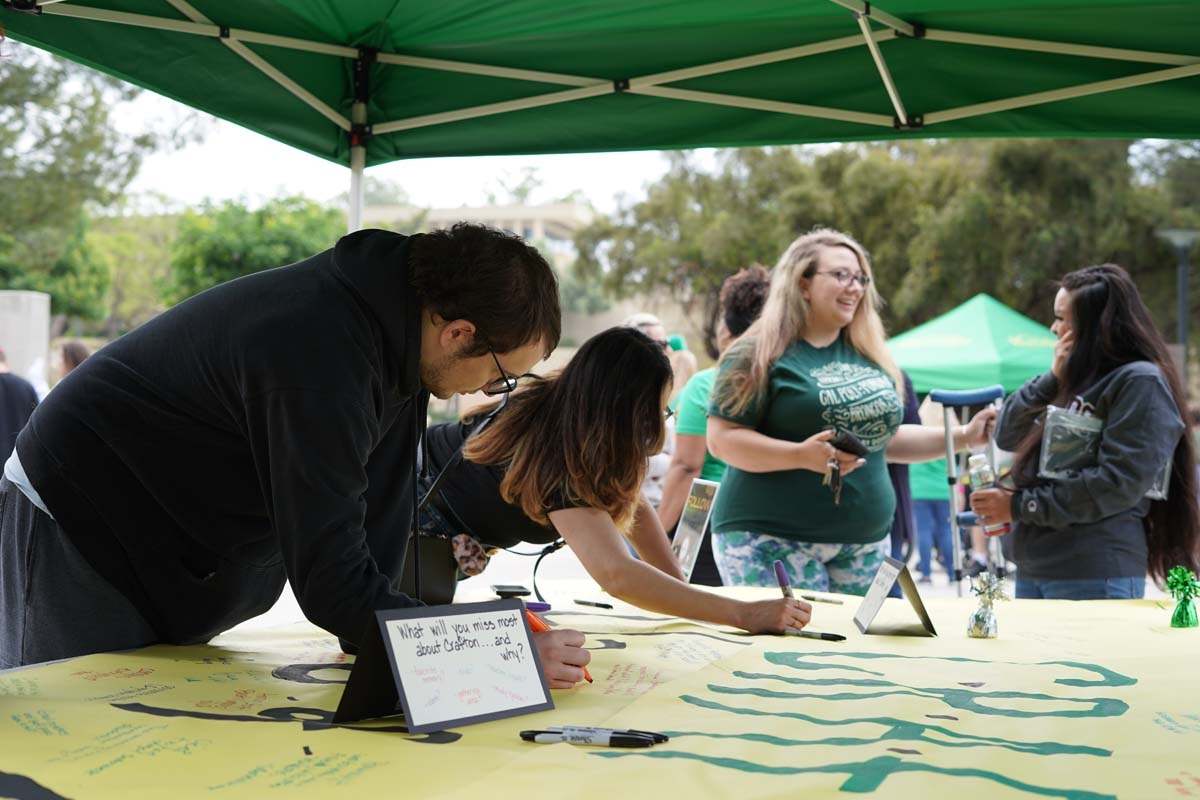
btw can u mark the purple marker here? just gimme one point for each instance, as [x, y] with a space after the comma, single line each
[536, 607]
[785, 583]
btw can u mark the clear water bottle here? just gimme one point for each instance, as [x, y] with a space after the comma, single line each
[982, 478]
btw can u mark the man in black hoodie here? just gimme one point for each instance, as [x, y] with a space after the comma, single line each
[264, 430]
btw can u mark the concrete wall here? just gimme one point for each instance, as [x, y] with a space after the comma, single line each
[580, 327]
[25, 334]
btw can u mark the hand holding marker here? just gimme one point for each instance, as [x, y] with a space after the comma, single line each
[538, 625]
[785, 586]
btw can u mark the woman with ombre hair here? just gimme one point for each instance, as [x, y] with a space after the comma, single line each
[815, 362]
[1096, 531]
[565, 457]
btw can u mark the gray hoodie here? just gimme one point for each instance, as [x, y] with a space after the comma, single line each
[1090, 525]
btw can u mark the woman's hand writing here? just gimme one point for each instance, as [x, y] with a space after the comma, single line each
[562, 655]
[774, 616]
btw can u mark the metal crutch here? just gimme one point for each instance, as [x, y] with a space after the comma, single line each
[950, 399]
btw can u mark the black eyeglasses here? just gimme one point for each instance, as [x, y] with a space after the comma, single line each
[502, 385]
[845, 276]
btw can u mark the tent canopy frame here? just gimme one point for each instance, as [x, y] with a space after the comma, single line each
[359, 129]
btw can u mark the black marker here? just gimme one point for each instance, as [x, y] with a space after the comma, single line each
[593, 604]
[658, 738]
[812, 598]
[598, 737]
[825, 637]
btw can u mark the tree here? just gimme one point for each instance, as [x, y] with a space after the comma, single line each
[377, 192]
[694, 228]
[943, 220]
[61, 153]
[580, 296]
[514, 189]
[225, 241]
[135, 243]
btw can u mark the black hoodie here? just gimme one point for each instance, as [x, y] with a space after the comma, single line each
[262, 430]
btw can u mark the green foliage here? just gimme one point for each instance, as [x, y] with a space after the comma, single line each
[65, 268]
[59, 150]
[225, 241]
[514, 189]
[61, 154]
[581, 296]
[378, 192]
[1182, 583]
[943, 220]
[135, 244]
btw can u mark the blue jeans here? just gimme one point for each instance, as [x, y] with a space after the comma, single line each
[1081, 589]
[933, 530]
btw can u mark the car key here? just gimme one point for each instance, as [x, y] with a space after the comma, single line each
[833, 479]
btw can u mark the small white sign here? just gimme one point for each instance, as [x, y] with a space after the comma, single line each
[689, 533]
[889, 572]
[451, 665]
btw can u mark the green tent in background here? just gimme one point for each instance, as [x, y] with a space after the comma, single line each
[980, 343]
[362, 82]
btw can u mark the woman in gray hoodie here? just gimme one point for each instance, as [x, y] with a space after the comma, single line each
[1095, 534]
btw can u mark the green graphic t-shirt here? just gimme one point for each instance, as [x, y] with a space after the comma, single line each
[810, 389]
[691, 418]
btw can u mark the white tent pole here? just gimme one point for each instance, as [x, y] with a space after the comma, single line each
[299, 91]
[865, 26]
[135, 20]
[261, 64]
[468, 68]
[360, 135]
[882, 17]
[358, 160]
[553, 98]
[757, 60]
[65, 9]
[1067, 93]
[1060, 48]
[777, 107]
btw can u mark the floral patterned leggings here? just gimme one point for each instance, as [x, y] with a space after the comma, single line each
[746, 558]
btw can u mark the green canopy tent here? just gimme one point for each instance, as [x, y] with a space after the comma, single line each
[981, 343]
[363, 82]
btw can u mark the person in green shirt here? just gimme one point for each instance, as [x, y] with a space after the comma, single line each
[742, 298]
[931, 509]
[815, 361]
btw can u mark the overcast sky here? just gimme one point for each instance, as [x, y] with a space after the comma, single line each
[233, 162]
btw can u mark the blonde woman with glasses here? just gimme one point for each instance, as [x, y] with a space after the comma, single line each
[815, 363]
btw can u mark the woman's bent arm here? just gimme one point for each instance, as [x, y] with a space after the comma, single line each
[601, 549]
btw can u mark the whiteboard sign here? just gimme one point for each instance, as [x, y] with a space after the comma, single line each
[891, 571]
[689, 533]
[452, 665]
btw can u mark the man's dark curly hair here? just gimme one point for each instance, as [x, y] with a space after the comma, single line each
[742, 296]
[492, 279]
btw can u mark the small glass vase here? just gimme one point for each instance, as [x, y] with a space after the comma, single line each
[982, 623]
[1185, 615]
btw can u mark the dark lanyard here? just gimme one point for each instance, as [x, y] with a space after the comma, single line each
[436, 486]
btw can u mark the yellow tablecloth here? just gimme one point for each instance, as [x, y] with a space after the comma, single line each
[1074, 700]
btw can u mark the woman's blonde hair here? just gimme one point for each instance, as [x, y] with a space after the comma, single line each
[785, 317]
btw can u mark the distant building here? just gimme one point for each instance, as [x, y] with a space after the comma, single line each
[550, 226]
